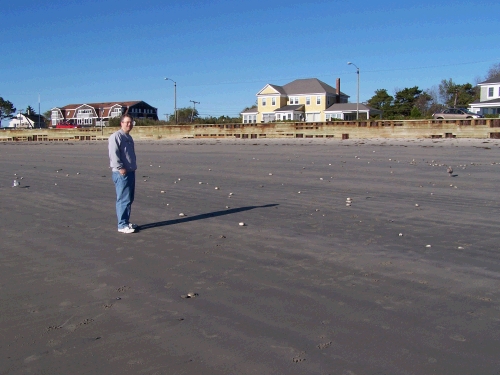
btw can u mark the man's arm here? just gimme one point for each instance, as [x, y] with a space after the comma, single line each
[114, 152]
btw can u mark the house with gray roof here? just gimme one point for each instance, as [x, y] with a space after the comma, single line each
[489, 98]
[299, 100]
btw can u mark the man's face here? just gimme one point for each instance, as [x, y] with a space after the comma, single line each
[127, 124]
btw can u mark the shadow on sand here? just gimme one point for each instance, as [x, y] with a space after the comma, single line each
[201, 217]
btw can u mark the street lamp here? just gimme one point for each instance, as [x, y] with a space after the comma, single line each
[175, 98]
[357, 101]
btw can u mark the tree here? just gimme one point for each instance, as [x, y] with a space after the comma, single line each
[381, 100]
[6, 109]
[455, 95]
[406, 99]
[423, 104]
[184, 115]
[493, 72]
[30, 110]
[253, 106]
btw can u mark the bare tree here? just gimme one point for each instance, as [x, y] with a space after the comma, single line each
[493, 72]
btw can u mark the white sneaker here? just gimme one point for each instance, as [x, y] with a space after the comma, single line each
[126, 230]
[133, 226]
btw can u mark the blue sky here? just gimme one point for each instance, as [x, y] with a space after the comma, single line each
[221, 53]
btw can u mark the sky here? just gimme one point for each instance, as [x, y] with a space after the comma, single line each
[221, 53]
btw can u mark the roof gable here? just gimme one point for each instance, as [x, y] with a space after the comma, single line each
[270, 89]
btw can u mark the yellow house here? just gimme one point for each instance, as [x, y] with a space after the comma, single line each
[299, 100]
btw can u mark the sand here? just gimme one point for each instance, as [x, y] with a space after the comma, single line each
[405, 280]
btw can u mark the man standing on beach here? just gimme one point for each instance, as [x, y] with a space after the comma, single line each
[123, 163]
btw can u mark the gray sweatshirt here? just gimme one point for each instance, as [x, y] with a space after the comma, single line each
[121, 152]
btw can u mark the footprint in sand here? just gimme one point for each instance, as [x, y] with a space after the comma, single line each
[32, 358]
[324, 345]
[457, 338]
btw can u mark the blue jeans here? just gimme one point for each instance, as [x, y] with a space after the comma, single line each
[125, 189]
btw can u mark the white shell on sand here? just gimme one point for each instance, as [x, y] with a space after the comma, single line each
[242, 224]
[428, 246]
[181, 214]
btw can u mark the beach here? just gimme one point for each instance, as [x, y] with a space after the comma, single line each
[255, 256]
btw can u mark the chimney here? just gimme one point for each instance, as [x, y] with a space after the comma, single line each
[337, 91]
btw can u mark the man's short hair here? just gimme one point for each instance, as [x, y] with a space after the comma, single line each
[127, 115]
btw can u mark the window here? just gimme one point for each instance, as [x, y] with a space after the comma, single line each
[273, 101]
[318, 100]
[289, 116]
[294, 100]
[308, 100]
[490, 91]
[263, 101]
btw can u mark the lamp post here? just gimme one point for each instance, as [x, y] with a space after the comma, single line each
[175, 98]
[357, 101]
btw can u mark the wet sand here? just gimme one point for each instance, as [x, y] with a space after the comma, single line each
[308, 285]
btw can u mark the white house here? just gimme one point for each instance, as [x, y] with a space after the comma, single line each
[348, 111]
[25, 121]
[489, 98]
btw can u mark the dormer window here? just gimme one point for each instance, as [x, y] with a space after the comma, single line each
[490, 92]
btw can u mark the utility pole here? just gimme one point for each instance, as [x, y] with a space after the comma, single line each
[39, 126]
[194, 107]
[167, 115]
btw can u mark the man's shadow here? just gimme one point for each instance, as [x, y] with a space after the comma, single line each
[201, 216]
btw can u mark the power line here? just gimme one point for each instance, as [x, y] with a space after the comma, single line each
[277, 79]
